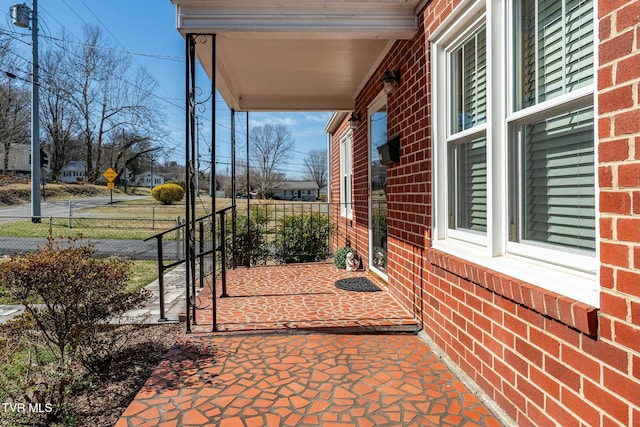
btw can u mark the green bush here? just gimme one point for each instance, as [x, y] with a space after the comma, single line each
[69, 295]
[250, 246]
[167, 194]
[69, 298]
[178, 182]
[340, 256]
[303, 238]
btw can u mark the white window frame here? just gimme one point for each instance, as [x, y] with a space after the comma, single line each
[346, 174]
[460, 137]
[571, 274]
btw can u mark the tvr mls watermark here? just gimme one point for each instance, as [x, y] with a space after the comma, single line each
[27, 408]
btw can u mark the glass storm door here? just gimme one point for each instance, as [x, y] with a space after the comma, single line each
[378, 185]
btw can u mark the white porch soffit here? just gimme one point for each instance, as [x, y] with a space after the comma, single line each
[286, 55]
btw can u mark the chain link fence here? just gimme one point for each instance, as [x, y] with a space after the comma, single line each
[114, 231]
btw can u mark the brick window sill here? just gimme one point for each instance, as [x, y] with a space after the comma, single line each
[575, 314]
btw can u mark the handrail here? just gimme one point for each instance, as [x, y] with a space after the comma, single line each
[177, 227]
[217, 244]
[224, 210]
[162, 268]
[223, 250]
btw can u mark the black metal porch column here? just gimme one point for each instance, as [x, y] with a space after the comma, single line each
[214, 314]
[248, 185]
[191, 171]
[189, 233]
[233, 189]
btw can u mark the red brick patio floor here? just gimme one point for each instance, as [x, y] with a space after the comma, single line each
[289, 354]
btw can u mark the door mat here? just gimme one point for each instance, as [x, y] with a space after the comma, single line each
[357, 284]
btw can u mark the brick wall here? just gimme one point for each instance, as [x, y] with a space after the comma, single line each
[407, 187]
[346, 231]
[619, 180]
[545, 359]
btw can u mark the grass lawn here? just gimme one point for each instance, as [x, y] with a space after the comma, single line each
[133, 219]
[90, 228]
[139, 219]
[143, 272]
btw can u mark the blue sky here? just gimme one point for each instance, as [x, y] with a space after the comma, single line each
[146, 28]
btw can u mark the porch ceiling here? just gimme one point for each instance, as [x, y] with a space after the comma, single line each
[284, 55]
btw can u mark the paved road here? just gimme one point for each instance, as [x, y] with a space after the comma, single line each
[61, 207]
[133, 249]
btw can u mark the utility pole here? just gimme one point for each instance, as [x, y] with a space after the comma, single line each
[20, 15]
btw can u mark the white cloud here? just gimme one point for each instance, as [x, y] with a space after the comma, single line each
[322, 118]
[261, 119]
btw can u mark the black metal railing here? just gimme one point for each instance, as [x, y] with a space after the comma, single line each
[276, 232]
[262, 234]
[205, 251]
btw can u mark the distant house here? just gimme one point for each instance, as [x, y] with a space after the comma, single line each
[73, 171]
[149, 179]
[19, 160]
[296, 190]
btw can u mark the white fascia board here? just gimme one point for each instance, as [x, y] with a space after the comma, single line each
[363, 19]
[335, 121]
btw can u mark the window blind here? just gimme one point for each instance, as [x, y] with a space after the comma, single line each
[559, 180]
[468, 157]
[555, 48]
[471, 185]
[469, 78]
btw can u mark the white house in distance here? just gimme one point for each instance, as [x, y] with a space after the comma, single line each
[147, 179]
[19, 160]
[73, 171]
[296, 190]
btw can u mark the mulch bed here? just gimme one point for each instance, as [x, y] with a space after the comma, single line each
[102, 404]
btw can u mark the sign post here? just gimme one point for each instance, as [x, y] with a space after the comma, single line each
[110, 175]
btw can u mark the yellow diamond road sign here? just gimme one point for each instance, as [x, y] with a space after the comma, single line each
[110, 175]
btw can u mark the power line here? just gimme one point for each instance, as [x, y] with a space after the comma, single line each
[101, 23]
[12, 35]
[115, 38]
[120, 78]
[111, 49]
[169, 101]
[14, 76]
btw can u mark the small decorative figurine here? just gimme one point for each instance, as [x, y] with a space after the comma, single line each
[352, 262]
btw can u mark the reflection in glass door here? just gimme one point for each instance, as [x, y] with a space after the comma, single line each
[378, 194]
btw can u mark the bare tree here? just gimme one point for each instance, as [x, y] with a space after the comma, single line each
[242, 186]
[316, 165]
[59, 121]
[14, 102]
[130, 152]
[108, 97]
[270, 147]
[14, 118]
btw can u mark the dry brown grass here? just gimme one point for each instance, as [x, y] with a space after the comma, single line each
[15, 191]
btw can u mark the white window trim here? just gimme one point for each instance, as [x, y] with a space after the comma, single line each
[346, 168]
[498, 253]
